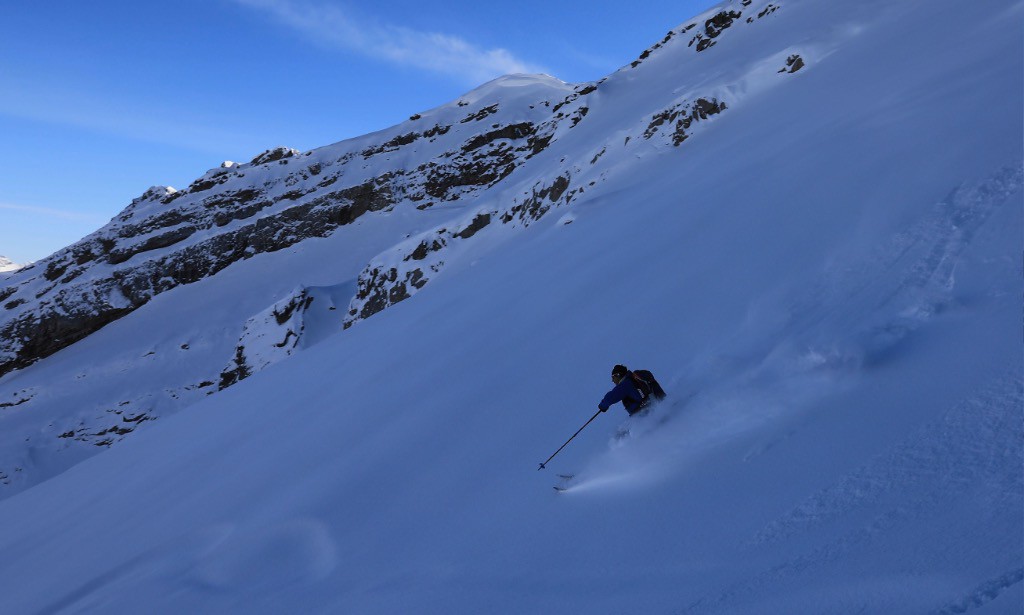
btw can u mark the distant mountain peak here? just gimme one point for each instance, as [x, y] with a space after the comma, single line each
[7, 264]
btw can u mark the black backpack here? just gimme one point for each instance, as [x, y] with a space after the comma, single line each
[647, 385]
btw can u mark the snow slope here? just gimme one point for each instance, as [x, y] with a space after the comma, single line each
[825, 276]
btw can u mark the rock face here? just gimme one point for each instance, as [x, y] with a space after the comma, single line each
[268, 337]
[681, 116]
[167, 238]
[398, 275]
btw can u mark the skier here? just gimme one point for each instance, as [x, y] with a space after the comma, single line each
[634, 389]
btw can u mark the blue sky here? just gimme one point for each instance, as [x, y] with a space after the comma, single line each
[100, 100]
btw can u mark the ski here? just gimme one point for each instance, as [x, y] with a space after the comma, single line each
[563, 484]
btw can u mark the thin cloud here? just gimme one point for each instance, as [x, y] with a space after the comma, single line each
[36, 102]
[61, 214]
[440, 53]
[140, 115]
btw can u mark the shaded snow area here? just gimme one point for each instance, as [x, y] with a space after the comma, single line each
[824, 274]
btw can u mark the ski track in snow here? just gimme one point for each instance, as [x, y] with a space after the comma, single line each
[817, 353]
[219, 560]
[974, 445]
[985, 593]
[973, 451]
[898, 304]
[972, 454]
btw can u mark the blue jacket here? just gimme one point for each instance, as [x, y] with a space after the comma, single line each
[626, 392]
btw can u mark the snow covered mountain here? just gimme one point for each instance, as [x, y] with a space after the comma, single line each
[424, 178]
[7, 265]
[330, 375]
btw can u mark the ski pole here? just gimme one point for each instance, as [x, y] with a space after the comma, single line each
[569, 440]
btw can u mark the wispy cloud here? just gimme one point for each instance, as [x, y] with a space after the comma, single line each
[60, 214]
[109, 115]
[440, 53]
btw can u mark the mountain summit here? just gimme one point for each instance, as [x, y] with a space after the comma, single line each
[7, 265]
[321, 381]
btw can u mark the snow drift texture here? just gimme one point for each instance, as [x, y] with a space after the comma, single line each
[804, 216]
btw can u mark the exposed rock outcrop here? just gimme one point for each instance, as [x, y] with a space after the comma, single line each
[166, 237]
[392, 278]
[268, 337]
[683, 115]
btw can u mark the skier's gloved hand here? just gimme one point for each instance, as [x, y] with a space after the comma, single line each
[602, 409]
